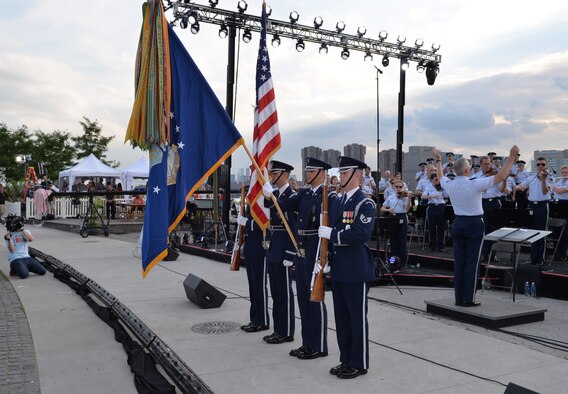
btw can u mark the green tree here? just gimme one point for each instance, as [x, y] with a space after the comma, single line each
[13, 143]
[54, 150]
[91, 141]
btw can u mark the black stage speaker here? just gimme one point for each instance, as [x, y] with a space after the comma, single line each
[172, 255]
[512, 388]
[202, 293]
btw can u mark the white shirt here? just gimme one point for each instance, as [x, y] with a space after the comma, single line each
[563, 183]
[465, 194]
[534, 185]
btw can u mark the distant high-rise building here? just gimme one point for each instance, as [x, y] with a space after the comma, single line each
[555, 159]
[387, 160]
[310, 151]
[356, 151]
[330, 156]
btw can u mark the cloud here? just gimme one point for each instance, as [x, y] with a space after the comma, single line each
[456, 118]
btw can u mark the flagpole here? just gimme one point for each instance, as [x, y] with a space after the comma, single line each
[274, 200]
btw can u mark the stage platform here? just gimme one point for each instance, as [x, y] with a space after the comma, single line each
[491, 313]
[115, 226]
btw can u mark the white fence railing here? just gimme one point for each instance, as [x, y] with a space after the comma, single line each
[59, 207]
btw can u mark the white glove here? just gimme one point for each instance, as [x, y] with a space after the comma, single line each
[242, 221]
[287, 263]
[317, 268]
[324, 232]
[267, 190]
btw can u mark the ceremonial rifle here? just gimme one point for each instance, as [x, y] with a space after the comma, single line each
[240, 236]
[318, 289]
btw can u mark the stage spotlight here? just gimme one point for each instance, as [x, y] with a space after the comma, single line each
[223, 31]
[435, 47]
[401, 39]
[276, 40]
[213, 3]
[195, 28]
[192, 18]
[318, 21]
[383, 35]
[323, 49]
[404, 63]
[418, 43]
[386, 61]
[300, 46]
[242, 6]
[340, 26]
[368, 56]
[294, 16]
[345, 54]
[183, 23]
[432, 70]
[361, 31]
[247, 35]
[420, 66]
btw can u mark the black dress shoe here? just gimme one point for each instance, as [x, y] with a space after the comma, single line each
[276, 339]
[246, 325]
[470, 303]
[255, 328]
[338, 368]
[310, 355]
[350, 373]
[301, 349]
[267, 337]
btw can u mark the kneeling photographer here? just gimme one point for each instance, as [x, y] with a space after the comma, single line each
[21, 264]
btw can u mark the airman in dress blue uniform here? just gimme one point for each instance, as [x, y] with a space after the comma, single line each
[351, 224]
[280, 253]
[468, 228]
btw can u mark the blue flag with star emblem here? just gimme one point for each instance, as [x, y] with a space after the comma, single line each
[202, 136]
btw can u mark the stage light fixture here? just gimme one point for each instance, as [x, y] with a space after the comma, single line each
[401, 39]
[192, 18]
[323, 49]
[247, 35]
[223, 31]
[345, 54]
[340, 26]
[195, 28]
[420, 66]
[183, 23]
[213, 3]
[404, 63]
[435, 47]
[276, 40]
[368, 56]
[418, 43]
[318, 21]
[432, 70]
[383, 35]
[300, 46]
[361, 31]
[294, 16]
[386, 61]
[242, 6]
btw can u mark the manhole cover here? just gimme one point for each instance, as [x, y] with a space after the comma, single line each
[215, 327]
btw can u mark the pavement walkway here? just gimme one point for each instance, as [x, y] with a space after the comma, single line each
[411, 350]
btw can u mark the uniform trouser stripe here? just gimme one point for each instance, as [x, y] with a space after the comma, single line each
[288, 313]
[264, 293]
[364, 325]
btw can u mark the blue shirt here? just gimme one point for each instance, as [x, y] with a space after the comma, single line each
[432, 191]
[20, 246]
[399, 204]
[535, 189]
[563, 183]
[465, 194]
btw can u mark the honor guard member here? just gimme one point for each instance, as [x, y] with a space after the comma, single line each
[539, 187]
[280, 253]
[255, 257]
[350, 227]
[307, 203]
[491, 202]
[467, 230]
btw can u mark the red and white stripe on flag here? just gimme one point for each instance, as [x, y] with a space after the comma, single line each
[266, 135]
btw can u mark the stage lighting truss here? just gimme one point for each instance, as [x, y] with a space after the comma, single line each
[185, 13]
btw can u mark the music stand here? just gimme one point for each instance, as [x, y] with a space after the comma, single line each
[516, 236]
[387, 224]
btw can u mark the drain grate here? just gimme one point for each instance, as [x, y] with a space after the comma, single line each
[215, 327]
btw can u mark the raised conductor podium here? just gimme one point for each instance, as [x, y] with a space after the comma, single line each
[516, 237]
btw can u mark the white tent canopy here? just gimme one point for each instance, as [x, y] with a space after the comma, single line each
[138, 169]
[89, 167]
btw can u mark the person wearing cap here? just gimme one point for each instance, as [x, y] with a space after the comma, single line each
[369, 187]
[491, 155]
[515, 168]
[424, 182]
[350, 228]
[560, 189]
[421, 173]
[435, 196]
[474, 160]
[468, 228]
[496, 162]
[539, 187]
[398, 204]
[280, 253]
[307, 203]
[519, 196]
[476, 169]
[450, 159]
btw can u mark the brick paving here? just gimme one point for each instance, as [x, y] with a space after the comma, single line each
[18, 367]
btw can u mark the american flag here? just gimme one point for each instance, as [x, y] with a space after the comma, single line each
[266, 136]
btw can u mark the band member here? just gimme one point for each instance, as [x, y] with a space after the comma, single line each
[491, 202]
[539, 187]
[467, 230]
[424, 182]
[450, 157]
[520, 196]
[351, 226]
[398, 205]
[434, 194]
[561, 194]
[369, 187]
[280, 258]
[421, 173]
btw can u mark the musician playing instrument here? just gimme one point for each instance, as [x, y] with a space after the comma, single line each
[397, 205]
[435, 195]
[560, 189]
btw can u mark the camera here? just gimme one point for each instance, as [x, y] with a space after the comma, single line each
[14, 223]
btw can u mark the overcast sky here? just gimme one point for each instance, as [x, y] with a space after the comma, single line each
[503, 77]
